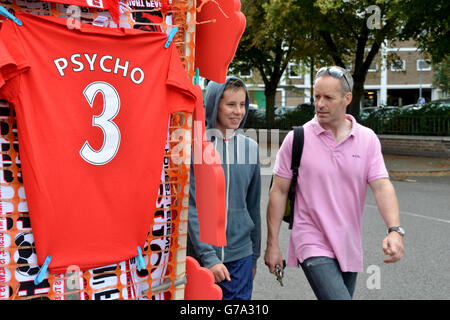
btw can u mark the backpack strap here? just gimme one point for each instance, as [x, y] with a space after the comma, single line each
[297, 150]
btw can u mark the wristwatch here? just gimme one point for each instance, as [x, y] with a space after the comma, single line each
[398, 229]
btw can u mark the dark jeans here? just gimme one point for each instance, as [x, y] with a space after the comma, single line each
[327, 280]
[241, 285]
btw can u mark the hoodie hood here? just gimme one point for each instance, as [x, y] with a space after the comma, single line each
[214, 92]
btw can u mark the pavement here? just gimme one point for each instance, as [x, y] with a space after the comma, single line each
[400, 166]
[421, 185]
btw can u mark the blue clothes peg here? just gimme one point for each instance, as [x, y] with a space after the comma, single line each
[41, 274]
[170, 37]
[140, 259]
[6, 13]
[197, 76]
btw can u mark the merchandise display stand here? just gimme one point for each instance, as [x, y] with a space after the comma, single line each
[164, 253]
[161, 270]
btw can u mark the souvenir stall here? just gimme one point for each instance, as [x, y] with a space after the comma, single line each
[98, 104]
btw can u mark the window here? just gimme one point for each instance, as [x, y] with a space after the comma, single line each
[294, 71]
[397, 66]
[246, 74]
[348, 67]
[423, 65]
[373, 67]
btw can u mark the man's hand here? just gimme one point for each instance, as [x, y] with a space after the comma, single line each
[275, 210]
[220, 272]
[393, 247]
[273, 257]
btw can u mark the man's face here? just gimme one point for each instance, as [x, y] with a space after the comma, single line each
[330, 101]
[231, 109]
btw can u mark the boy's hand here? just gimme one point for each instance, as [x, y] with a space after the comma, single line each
[220, 272]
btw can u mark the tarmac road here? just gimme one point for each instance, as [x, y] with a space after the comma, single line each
[424, 271]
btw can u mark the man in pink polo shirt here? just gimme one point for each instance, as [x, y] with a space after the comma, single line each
[340, 157]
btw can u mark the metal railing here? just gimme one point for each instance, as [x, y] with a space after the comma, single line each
[410, 125]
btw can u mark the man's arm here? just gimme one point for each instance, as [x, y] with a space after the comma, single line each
[387, 203]
[275, 211]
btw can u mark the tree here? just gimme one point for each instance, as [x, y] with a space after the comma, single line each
[369, 23]
[273, 37]
[442, 75]
[353, 32]
[346, 32]
[428, 24]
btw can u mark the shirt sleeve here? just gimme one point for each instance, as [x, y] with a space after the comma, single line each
[182, 97]
[283, 160]
[377, 167]
[12, 59]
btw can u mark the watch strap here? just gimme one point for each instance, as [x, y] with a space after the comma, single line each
[398, 229]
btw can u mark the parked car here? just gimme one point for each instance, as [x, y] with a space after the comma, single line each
[365, 113]
[436, 106]
[309, 107]
[431, 118]
[256, 118]
[283, 110]
[252, 106]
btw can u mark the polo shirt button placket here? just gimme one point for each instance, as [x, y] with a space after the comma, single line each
[335, 152]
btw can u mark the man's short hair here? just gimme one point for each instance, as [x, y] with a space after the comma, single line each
[343, 75]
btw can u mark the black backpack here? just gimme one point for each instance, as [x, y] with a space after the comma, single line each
[297, 149]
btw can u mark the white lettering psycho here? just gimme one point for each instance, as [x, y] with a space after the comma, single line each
[106, 63]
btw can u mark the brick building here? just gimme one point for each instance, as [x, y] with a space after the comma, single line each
[387, 83]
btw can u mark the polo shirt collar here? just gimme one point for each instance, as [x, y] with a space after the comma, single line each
[318, 129]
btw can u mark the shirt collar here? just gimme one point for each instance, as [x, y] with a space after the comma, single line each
[318, 129]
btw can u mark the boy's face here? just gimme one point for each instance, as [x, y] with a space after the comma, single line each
[231, 109]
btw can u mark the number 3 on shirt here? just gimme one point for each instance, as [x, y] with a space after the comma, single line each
[111, 139]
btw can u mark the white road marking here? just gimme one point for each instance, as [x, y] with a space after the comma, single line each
[413, 214]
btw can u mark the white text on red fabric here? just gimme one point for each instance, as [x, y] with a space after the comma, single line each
[106, 63]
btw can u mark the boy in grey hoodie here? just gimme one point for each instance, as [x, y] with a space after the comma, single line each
[233, 266]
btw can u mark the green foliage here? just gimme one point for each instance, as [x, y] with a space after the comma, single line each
[275, 35]
[324, 32]
[442, 75]
[428, 23]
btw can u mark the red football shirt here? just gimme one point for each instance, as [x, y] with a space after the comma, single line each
[92, 108]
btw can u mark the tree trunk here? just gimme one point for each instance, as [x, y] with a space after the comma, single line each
[270, 93]
[311, 81]
[358, 93]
